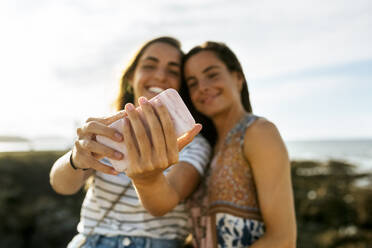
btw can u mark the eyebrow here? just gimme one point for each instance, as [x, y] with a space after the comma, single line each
[210, 68]
[151, 58]
[174, 64]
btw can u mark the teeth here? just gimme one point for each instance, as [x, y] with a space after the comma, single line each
[155, 89]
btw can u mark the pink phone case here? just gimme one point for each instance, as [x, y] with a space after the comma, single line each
[180, 115]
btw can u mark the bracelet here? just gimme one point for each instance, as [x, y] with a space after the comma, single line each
[74, 166]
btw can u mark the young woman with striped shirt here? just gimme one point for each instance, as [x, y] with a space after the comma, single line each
[128, 210]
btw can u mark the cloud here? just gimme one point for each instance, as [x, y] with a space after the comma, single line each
[318, 104]
[78, 48]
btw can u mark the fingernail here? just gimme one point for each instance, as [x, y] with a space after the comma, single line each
[142, 100]
[129, 107]
[118, 155]
[118, 136]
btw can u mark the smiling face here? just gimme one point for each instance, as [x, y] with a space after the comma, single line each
[213, 88]
[158, 69]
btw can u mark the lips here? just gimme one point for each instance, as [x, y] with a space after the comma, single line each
[208, 99]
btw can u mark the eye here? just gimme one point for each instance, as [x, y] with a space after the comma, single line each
[174, 72]
[148, 67]
[192, 84]
[212, 75]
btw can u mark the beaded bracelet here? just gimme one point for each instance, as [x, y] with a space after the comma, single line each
[73, 166]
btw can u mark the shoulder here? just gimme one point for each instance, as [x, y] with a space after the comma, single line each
[262, 138]
[261, 128]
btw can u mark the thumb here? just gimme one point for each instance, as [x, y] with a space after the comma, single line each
[188, 137]
[110, 119]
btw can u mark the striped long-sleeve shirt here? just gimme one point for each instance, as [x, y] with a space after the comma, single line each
[128, 217]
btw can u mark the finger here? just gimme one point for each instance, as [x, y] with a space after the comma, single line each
[99, 150]
[97, 156]
[108, 119]
[140, 134]
[188, 137]
[132, 151]
[156, 130]
[169, 132]
[97, 128]
[84, 160]
[79, 132]
[77, 153]
[98, 166]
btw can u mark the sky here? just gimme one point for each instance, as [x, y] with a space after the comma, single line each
[308, 63]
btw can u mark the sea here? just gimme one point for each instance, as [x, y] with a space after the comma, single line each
[356, 151]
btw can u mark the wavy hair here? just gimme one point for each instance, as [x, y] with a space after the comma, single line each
[227, 56]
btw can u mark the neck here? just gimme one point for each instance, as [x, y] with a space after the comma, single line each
[226, 120]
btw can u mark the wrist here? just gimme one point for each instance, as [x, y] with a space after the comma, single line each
[72, 164]
[149, 180]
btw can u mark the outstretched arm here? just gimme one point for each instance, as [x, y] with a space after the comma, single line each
[85, 155]
[149, 157]
[164, 192]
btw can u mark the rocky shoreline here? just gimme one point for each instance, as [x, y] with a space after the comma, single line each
[333, 204]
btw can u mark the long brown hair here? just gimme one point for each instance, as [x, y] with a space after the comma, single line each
[126, 94]
[227, 56]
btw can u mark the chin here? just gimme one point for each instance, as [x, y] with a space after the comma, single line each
[211, 111]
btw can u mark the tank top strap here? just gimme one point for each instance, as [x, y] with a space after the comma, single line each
[240, 128]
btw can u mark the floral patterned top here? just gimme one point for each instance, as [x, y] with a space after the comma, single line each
[225, 209]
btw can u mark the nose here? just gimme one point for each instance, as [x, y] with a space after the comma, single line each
[203, 86]
[160, 74]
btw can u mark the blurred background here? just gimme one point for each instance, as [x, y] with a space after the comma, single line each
[309, 70]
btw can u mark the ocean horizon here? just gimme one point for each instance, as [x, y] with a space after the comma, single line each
[354, 151]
